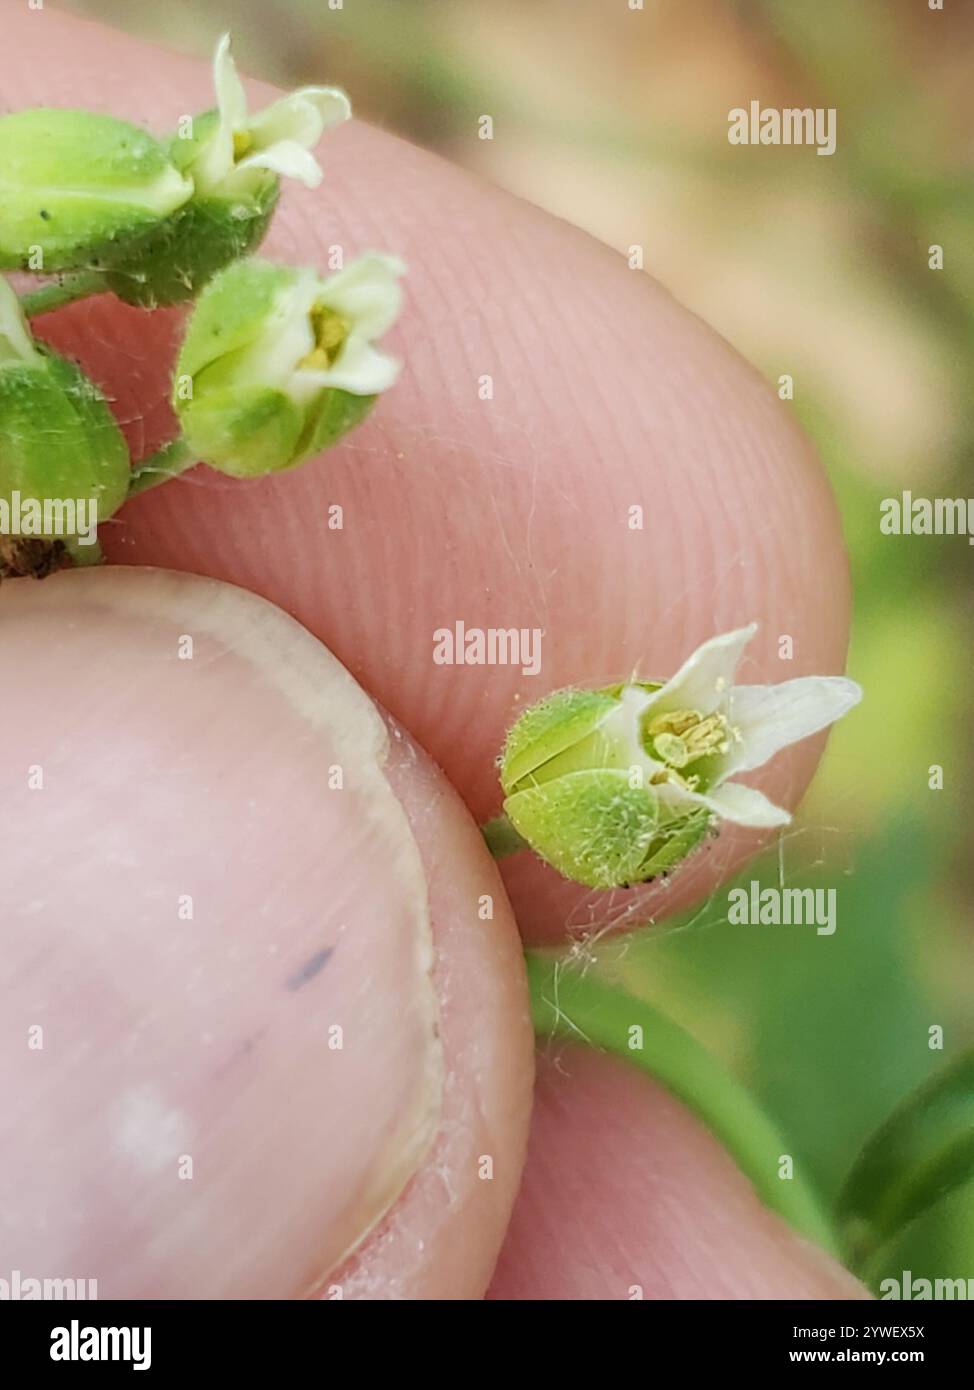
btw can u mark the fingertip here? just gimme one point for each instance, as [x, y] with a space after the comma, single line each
[626, 1195]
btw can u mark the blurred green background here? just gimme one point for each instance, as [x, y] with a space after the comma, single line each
[616, 120]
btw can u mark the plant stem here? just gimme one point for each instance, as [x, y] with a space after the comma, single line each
[502, 839]
[168, 462]
[570, 1005]
[64, 290]
[82, 556]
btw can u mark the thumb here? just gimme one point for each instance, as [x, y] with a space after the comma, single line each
[249, 994]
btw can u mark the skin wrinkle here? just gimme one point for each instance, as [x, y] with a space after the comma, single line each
[515, 339]
[718, 524]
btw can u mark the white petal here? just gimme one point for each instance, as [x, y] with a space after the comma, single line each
[745, 806]
[288, 159]
[285, 338]
[303, 116]
[770, 717]
[704, 680]
[214, 163]
[366, 293]
[271, 360]
[732, 802]
[230, 95]
[215, 160]
[621, 729]
[361, 369]
[332, 103]
[16, 342]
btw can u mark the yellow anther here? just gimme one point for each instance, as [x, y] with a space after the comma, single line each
[330, 331]
[676, 721]
[243, 143]
[682, 736]
[670, 774]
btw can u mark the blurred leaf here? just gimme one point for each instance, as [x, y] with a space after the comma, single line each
[918, 1156]
[569, 1003]
[939, 1245]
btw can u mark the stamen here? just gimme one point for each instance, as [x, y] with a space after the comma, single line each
[682, 736]
[670, 774]
[243, 143]
[672, 749]
[330, 331]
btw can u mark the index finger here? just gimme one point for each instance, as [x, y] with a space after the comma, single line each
[551, 397]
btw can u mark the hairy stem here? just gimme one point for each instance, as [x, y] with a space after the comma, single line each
[167, 463]
[502, 839]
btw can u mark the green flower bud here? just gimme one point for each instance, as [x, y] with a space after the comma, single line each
[615, 786]
[76, 188]
[64, 465]
[235, 162]
[278, 364]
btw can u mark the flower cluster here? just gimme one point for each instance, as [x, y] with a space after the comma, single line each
[276, 364]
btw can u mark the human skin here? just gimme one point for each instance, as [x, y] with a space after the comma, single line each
[511, 512]
[204, 1033]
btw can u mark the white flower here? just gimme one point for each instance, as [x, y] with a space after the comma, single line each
[322, 332]
[296, 369]
[279, 138]
[699, 729]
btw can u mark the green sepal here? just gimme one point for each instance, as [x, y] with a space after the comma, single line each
[231, 315]
[592, 826]
[82, 187]
[556, 723]
[676, 840]
[184, 253]
[244, 432]
[184, 149]
[206, 235]
[336, 414]
[58, 438]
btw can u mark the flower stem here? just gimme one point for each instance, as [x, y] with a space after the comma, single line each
[573, 1006]
[502, 839]
[168, 462]
[64, 290]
